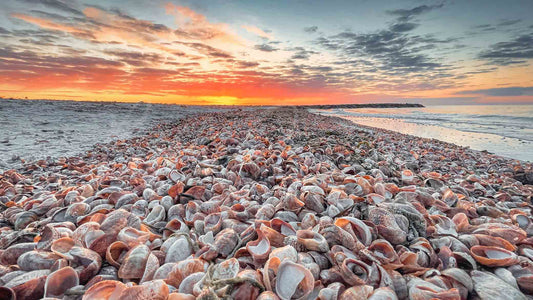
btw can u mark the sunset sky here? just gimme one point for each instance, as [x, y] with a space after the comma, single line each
[268, 52]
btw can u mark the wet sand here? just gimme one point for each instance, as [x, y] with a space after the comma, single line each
[234, 203]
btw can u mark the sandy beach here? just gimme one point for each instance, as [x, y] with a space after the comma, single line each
[276, 203]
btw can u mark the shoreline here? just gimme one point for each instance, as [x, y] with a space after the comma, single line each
[507, 138]
[238, 190]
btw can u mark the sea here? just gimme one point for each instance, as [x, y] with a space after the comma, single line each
[505, 130]
[40, 129]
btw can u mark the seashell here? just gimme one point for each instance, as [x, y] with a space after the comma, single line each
[387, 225]
[139, 263]
[183, 269]
[155, 289]
[293, 280]
[335, 235]
[226, 270]
[523, 275]
[36, 260]
[312, 240]
[358, 228]
[25, 218]
[267, 295]
[28, 285]
[427, 290]
[131, 236]
[383, 252]
[355, 272]
[361, 292]
[331, 292]
[179, 250]
[174, 226]
[506, 276]
[213, 223]
[8, 294]
[489, 286]
[11, 254]
[260, 248]
[196, 192]
[156, 214]
[180, 296]
[115, 253]
[493, 256]
[443, 225]
[383, 293]
[59, 281]
[266, 212]
[187, 285]
[487, 240]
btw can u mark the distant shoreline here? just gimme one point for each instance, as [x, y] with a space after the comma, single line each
[368, 105]
[314, 106]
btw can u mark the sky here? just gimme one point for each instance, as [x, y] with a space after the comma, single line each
[268, 52]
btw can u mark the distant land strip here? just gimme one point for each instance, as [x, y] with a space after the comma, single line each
[369, 105]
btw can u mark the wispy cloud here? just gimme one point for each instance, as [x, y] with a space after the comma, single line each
[258, 31]
[518, 50]
[498, 92]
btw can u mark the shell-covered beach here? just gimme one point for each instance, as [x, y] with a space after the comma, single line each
[268, 204]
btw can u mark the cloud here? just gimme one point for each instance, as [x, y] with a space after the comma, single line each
[302, 53]
[403, 27]
[56, 4]
[47, 24]
[135, 58]
[389, 50]
[508, 91]
[258, 31]
[509, 22]
[265, 48]
[208, 50]
[192, 25]
[311, 29]
[407, 14]
[516, 51]
[247, 64]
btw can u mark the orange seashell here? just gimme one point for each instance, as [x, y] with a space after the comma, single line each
[11, 254]
[131, 236]
[29, 285]
[312, 240]
[196, 192]
[59, 281]
[487, 240]
[155, 290]
[180, 296]
[383, 251]
[107, 289]
[361, 292]
[7, 293]
[115, 253]
[355, 272]
[268, 295]
[357, 227]
[183, 269]
[260, 248]
[176, 189]
[493, 256]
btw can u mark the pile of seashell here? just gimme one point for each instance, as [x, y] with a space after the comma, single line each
[271, 204]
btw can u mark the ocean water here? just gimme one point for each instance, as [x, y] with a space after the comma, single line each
[506, 130]
[32, 130]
